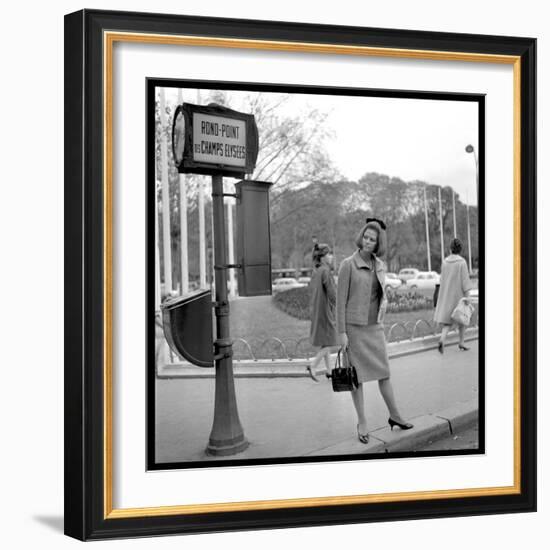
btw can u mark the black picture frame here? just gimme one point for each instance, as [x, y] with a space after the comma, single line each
[88, 483]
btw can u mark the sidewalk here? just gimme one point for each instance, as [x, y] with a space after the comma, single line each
[296, 417]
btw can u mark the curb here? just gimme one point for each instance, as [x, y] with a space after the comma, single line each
[427, 428]
[296, 368]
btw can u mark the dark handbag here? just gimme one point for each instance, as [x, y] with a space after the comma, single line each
[343, 375]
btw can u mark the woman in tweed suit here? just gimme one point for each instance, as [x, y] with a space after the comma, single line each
[360, 306]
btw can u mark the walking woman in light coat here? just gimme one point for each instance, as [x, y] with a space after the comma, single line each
[360, 306]
[322, 304]
[455, 284]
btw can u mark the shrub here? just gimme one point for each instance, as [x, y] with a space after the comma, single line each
[294, 302]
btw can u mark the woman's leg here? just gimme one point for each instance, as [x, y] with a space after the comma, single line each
[444, 331]
[386, 389]
[359, 404]
[461, 331]
[317, 359]
[327, 363]
[323, 353]
[330, 349]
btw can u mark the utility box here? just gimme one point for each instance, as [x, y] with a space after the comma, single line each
[253, 238]
[187, 324]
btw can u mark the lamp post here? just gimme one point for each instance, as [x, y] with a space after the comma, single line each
[427, 230]
[470, 149]
[441, 228]
[165, 201]
[454, 213]
[469, 239]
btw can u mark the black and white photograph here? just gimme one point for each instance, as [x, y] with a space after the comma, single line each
[314, 274]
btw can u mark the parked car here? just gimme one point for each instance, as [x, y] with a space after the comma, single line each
[392, 281]
[408, 273]
[285, 283]
[474, 296]
[304, 281]
[424, 280]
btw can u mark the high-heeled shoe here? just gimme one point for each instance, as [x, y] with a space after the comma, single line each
[461, 347]
[403, 426]
[312, 374]
[440, 347]
[363, 438]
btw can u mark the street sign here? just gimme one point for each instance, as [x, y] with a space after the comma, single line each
[214, 140]
[219, 140]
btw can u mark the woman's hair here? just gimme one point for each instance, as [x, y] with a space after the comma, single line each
[456, 246]
[381, 246]
[319, 250]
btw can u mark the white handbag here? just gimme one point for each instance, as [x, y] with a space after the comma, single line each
[462, 313]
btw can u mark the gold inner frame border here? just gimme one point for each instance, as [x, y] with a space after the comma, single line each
[109, 40]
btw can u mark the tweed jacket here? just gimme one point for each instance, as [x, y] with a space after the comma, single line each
[354, 289]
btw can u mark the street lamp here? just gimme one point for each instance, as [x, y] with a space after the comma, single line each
[427, 230]
[470, 149]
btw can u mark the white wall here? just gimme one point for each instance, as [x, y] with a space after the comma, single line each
[31, 497]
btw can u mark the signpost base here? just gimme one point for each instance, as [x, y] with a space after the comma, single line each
[226, 448]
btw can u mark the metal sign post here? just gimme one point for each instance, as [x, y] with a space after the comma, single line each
[218, 141]
[227, 436]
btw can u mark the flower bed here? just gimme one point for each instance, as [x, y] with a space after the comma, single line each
[295, 302]
[411, 301]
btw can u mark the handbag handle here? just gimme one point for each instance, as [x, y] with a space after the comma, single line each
[339, 356]
[338, 363]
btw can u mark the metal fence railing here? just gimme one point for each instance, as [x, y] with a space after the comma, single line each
[273, 348]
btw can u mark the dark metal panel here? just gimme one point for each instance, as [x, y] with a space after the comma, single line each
[187, 323]
[253, 238]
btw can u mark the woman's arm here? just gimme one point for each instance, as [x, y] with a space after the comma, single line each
[342, 296]
[330, 287]
[467, 284]
[381, 274]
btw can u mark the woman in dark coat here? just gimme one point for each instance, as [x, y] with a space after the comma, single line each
[455, 284]
[322, 303]
[361, 304]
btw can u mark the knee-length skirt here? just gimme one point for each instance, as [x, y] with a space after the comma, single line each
[368, 352]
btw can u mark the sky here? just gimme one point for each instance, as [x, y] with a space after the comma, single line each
[411, 139]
